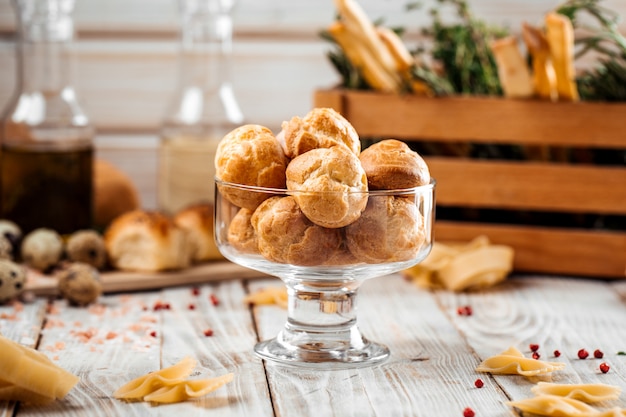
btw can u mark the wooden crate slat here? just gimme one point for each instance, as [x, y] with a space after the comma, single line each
[556, 251]
[528, 185]
[512, 185]
[494, 120]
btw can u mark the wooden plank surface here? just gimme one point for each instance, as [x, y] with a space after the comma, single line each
[552, 251]
[529, 185]
[431, 370]
[123, 337]
[491, 120]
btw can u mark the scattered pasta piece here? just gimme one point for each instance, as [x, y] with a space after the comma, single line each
[513, 362]
[10, 392]
[589, 393]
[146, 384]
[170, 385]
[30, 376]
[460, 267]
[555, 406]
[185, 390]
[272, 295]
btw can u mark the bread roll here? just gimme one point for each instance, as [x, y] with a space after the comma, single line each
[391, 165]
[146, 241]
[250, 155]
[197, 221]
[114, 193]
[241, 234]
[337, 183]
[285, 235]
[320, 128]
[391, 229]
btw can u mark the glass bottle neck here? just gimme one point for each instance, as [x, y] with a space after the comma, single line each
[45, 67]
[45, 114]
[205, 103]
[206, 49]
[46, 31]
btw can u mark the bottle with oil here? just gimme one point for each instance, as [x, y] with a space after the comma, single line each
[204, 108]
[46, 139]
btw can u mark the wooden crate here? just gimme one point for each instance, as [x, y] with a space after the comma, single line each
[542, 186]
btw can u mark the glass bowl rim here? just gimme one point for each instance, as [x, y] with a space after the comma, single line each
[413, 190]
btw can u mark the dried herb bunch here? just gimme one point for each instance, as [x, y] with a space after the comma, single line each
[462, 49]
[607, 80]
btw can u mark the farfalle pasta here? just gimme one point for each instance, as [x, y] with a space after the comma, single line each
[186, 390]
[170, 385]
[513, 362]
[588, 393]
[147, 384]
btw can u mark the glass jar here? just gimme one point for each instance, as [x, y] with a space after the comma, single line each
[46, 162]
[204, 107]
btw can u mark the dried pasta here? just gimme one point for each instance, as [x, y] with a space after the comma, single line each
[513, 362]
[146, 384]
[170, 385]
[30, 376]
[588, 393]
[556, 406]
[189, 389]
[272, 295]
[477, 264]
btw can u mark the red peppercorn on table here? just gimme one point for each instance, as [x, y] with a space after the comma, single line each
[437, 339]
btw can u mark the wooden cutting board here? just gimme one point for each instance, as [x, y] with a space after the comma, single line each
[120, 281]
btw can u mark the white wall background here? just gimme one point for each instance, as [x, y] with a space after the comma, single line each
[125, 67]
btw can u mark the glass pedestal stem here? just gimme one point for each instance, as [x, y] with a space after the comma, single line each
[321, 329]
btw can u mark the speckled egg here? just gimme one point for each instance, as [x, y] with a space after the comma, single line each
[42, 249]
[12, 280]
[80, 284]
[87, 246]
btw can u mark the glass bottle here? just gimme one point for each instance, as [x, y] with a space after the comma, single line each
[204, 108]
[47, 141]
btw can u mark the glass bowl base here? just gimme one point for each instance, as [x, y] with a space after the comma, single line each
[322, 355]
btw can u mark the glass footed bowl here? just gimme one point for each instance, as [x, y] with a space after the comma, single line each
[323, 266]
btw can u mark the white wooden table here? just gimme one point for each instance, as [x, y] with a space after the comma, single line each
[431, 371]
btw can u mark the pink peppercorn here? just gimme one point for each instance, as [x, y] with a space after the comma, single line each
[468, 412]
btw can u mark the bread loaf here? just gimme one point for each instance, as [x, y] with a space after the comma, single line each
[114, 193]
[285, 235]
[250, 155]
[391, 229]
[391, 165]
[146, 241]
[197, 221]
[320, 128]
[331, 185]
